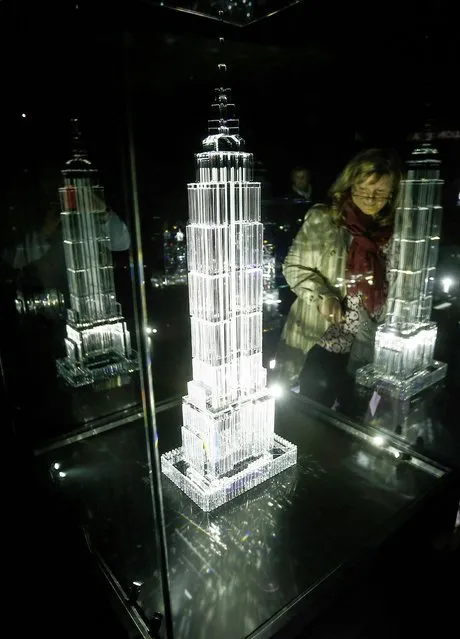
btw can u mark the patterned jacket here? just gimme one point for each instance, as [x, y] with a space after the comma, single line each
[314, 268]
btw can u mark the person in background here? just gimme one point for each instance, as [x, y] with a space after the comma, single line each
[337, 267]
[292, 208]
[301, 189]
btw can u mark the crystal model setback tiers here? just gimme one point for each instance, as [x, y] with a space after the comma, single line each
[404, 346]
[97, 340]
[228, 439]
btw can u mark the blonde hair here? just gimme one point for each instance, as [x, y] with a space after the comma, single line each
[372, 162]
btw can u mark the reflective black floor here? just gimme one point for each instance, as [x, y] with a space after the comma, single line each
[107, 476]
[234, 569]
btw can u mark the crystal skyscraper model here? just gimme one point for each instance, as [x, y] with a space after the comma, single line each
[97, 340]
[403, 359]
[228, 439]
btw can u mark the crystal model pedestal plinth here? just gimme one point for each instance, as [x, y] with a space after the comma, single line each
[80, 368]
[232, 456]
[209, 495]
[403, 366]
[401, 395]
[228, 439]
[403, 360]
[402, 389]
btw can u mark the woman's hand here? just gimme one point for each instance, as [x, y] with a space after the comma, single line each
[331, 309]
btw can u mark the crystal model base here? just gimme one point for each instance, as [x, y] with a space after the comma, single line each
[107, 366]
[394, 386]
[95, 351]
[210, 495]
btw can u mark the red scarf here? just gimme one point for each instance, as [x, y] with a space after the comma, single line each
[365, 257]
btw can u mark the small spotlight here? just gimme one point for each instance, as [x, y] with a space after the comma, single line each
[62, 474]
[276, 390]
[23, 115]
[378, 440]
[56, 465]
[447, 284]
[272, 364]
[151, 331]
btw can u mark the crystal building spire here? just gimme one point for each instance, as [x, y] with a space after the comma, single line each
[228, 439]
[404, 345]
[97, 340]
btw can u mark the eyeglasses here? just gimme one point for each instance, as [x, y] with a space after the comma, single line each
[370, 197]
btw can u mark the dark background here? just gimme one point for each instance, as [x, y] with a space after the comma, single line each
[312, 84]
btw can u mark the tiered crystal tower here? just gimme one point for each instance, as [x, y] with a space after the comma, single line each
[97, 340]
[403, 359]
[228, 439]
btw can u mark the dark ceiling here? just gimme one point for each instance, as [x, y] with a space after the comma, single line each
[313, 74]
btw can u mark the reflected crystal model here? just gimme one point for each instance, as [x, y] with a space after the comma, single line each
[269, 272]
[228, 439]
[175, 256]
[97, 340]
[403, 359]
[175, 259]
[272, 318]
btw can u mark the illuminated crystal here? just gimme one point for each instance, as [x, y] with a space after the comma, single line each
[404, 345]
[97, 340]
[228, 439]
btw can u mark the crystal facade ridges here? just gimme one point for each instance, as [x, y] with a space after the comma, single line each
[97, 340]
[404, 346]
[228, 439]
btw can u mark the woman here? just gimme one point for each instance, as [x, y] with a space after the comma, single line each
[337, 266]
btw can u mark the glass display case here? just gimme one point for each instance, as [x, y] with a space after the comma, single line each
[142, 305]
